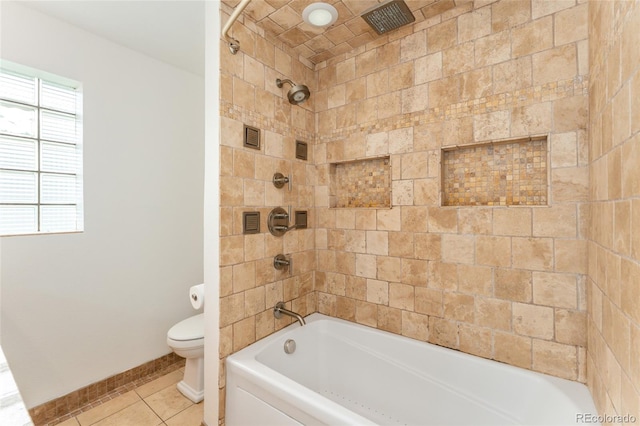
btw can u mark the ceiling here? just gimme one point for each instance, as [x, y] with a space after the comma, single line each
[171, 31]
[282, 19]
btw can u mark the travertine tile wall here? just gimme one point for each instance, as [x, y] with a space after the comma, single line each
[613, 356]
[249, 285]
[506, 283]
[503, 283]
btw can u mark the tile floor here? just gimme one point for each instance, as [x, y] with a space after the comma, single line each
[155, 403]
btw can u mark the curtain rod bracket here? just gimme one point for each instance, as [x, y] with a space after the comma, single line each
[234, 45]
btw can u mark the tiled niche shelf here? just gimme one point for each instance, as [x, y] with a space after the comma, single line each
[360, 183]
[503, 173]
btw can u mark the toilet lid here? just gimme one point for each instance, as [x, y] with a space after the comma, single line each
[190, 329]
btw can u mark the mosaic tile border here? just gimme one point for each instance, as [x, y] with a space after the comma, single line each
[517, 98]
[70, 405]
[502, 173]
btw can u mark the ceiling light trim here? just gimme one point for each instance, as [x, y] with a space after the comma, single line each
[320, 14]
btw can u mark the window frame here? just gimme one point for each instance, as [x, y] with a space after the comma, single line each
[40, 141]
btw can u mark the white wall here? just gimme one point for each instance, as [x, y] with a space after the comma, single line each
[78, 308]
[212, 211]
[0, 291]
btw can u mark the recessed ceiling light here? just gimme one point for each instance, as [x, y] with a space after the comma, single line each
[320, 14]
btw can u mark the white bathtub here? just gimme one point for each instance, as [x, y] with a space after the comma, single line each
[347, 374]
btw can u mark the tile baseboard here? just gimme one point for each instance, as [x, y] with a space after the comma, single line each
[73, 403]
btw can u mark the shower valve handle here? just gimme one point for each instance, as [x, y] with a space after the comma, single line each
[279, 180]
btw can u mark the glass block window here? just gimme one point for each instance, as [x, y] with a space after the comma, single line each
[40, 154]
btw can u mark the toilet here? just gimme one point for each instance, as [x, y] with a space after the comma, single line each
[186, 338]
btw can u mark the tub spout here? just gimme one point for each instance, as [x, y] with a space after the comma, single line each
[280, 309]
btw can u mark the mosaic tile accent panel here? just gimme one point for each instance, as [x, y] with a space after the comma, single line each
[363, 183]
[497, 174]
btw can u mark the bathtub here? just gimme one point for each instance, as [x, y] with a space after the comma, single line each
[347, 374]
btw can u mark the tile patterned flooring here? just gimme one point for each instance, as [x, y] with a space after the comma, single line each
[155, 403]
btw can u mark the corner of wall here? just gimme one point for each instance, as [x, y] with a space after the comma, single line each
[211, 210]
[613, 350]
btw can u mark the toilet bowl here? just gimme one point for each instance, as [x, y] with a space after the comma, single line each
[186, 338]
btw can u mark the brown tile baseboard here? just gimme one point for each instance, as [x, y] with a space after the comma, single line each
[73, 403]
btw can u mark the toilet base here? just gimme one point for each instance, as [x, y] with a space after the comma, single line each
[187, 391]
[192, 385]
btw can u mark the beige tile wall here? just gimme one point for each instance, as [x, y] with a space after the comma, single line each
[506, 283]
[613, 357]
[249, 285]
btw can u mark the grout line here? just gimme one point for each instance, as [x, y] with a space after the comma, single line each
[112, 414]
[152, 410]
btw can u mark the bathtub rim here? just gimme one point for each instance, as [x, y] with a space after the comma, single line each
[245, 363]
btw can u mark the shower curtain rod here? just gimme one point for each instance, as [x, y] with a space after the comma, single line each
[234, 45]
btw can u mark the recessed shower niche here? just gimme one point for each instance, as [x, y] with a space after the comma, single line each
[360, 183]
[503, 173]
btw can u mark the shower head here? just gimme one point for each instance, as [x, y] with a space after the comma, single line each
[388, 16]
[298, 92]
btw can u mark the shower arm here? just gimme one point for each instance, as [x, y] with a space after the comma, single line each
[280, 82]
[234, 45]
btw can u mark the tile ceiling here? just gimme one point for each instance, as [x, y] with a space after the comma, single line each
[282, 19]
